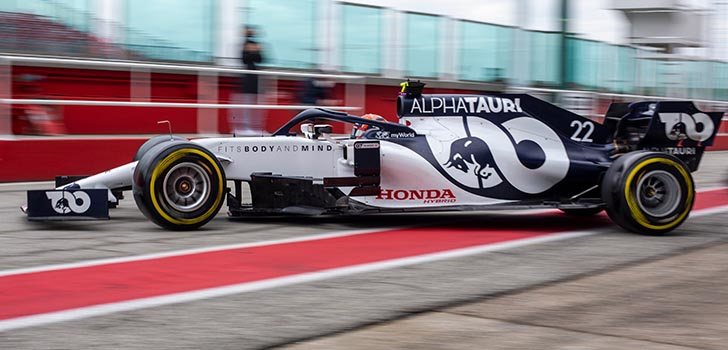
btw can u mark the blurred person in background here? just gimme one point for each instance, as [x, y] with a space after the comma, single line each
[317, 91]
[33, 119]
[248, 121]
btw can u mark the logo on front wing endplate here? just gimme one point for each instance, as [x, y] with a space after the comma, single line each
[423, 196]
[64, 202]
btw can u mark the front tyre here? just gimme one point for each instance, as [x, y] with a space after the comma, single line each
[179, 185]
[647, 192]
[149, 144]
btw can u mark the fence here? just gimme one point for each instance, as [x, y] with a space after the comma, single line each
[207, 88]
[591, 104]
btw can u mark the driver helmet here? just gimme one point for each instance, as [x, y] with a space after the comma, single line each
[360, 129]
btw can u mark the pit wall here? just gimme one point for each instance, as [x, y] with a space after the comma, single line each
[41, 158]
[85, 84]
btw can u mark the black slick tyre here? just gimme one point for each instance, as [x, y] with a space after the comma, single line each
[179, 185]
[648, 192]
[149, 144]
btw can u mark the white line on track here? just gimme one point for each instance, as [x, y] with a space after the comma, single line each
[172, 253]
[104, 309]
[176, 298]
[709, 211]
[711, 188]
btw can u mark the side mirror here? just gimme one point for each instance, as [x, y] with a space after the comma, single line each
[311, 131]
[308, 131]
[320, 129]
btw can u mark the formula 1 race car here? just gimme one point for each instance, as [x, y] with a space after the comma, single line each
[448, 152]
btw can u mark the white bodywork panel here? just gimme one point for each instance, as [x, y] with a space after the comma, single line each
[408, 180]
[285, 155]
[118, 177]
[441, 132]
[402, 170]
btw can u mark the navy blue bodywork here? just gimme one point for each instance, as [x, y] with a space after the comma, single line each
[588, 161]
[628, 127]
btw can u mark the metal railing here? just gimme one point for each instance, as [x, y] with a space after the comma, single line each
[140, 87]
[208, 90]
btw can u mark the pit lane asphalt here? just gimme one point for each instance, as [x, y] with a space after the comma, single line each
[288, 314]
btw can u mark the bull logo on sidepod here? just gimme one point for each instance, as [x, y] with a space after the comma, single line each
[485, 155]
[472, 151]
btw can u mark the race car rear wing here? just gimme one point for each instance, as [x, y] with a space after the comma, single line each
[675, 127]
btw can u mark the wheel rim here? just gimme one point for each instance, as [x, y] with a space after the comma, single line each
[186, 187]
[658, 193]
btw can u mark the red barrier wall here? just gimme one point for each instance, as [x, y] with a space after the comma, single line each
[66, 83]
[30, 160]
[24, 160]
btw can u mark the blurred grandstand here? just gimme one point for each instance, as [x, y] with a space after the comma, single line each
[66, 28]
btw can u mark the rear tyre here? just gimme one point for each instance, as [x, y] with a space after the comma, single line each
[582, 212]
[648, 192]
[179, 185]
[149, 144]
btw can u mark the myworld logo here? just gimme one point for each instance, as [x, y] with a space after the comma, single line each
[426, 196]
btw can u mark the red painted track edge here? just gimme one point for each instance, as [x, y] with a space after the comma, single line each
[63, 289]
